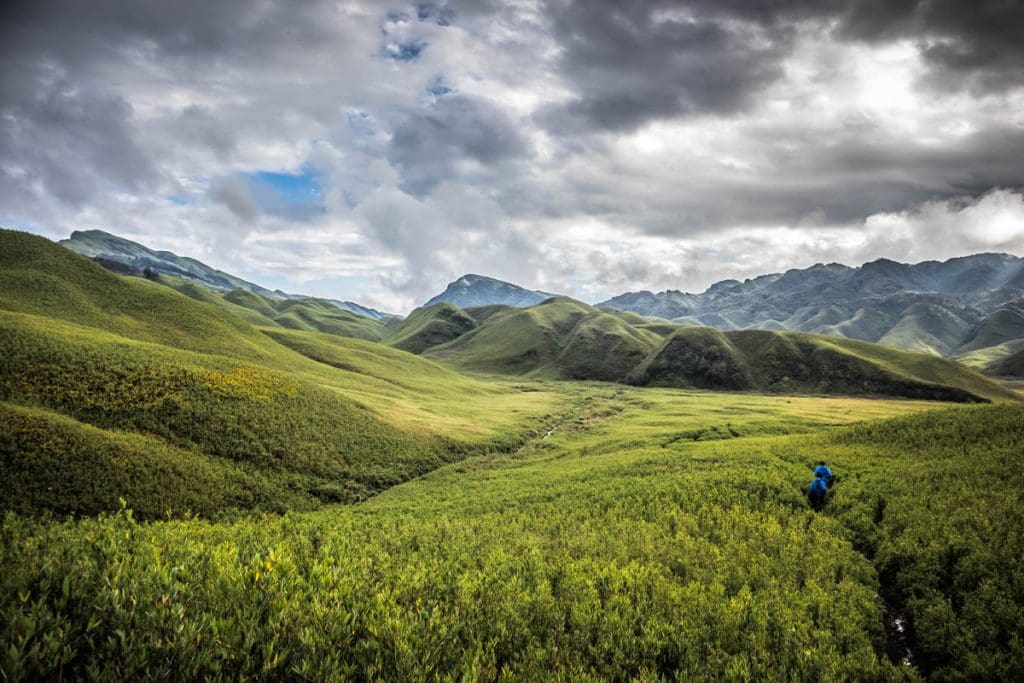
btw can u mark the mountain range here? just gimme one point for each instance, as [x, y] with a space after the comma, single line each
[953, 308]
[565, 339]
[943, 308]
[131, 258]
[970, 308]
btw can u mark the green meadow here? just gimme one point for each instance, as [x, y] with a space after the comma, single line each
[194, 489]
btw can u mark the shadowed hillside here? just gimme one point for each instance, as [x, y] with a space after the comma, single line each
[946, 308]
[565, 339]
[794, 362]
[429, 326]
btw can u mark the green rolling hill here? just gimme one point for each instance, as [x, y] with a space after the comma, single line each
[111, 385]
[1010, 366]
[792, 362]
[559, 338]
[429, 326]
[565, 339]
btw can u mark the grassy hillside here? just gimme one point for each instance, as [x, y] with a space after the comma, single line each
[210, 405]
[316, 315]
[926, 328]
[144, 383]
[795, 362]
[41, 278]
[430, 326]
[1009, 366]
[623, 547]
[566, 339]
[559, 338]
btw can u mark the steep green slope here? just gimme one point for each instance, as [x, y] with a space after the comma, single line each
[316, 315]
[796, 362]
[430, 326]
[143, 382]
[559, 338]
[42, 278]
[56, 463]
[307, 438]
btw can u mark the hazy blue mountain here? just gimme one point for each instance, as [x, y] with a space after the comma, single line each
[936, 307]
[476, 290]
[128, 257]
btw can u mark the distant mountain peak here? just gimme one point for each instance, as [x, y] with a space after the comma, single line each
[472, 289]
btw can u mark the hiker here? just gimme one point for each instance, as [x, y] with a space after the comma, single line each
[824, 472]
[816, 493]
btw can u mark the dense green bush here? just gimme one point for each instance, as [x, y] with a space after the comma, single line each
[605, 552]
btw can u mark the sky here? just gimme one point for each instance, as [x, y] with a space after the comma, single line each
[376, 151]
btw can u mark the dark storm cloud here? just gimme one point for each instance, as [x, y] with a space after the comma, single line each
[198, 125]
[631, 61]
[81, 33]
[66, 142]
[438, 143]
[971, 44]
[68, 133]
[540, 128]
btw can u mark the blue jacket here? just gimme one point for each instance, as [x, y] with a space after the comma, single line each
[817, 488]
[823, 472]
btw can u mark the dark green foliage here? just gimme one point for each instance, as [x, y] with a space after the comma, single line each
[792, 362]
[697, 561]
[56, 464]
[695, 357]
[939, 510]
[430, 326]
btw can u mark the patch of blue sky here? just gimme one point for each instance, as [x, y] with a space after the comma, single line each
[293, 195]
[438, 88]
[180, 200]
[11, 222]
[408, 51]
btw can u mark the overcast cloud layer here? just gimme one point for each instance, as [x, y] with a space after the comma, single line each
[375, 151]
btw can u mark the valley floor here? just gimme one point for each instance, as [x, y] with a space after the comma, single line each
[651, 534]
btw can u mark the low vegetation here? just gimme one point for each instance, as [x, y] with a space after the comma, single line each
[194, 490]
[617, 547]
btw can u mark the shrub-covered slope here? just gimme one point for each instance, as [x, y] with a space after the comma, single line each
[795, 362]
[612, 551]
[430, 326]
[559, 338]
[135, 383]
[565, 339]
